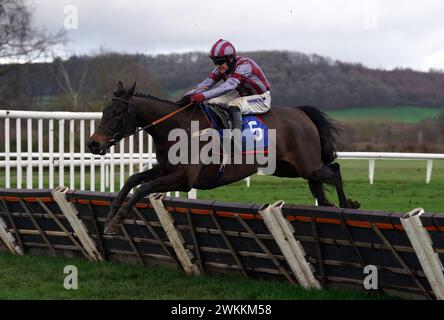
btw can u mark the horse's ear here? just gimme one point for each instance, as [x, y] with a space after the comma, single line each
[120, 89]
[130, 91]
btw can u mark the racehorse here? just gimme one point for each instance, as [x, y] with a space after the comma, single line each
[305, 147]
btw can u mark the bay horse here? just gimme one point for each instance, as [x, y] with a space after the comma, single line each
[305, 147]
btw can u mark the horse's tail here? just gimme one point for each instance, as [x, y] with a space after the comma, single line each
[327, 132]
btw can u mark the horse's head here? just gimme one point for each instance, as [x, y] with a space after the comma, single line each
[118, 120]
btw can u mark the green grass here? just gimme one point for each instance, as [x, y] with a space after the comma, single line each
[37, 277]
[399, 186]
[400, 114]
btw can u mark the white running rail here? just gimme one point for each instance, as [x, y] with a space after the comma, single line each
[39, 162]
[47, 149]
[373, 156]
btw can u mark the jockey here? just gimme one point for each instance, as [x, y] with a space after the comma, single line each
[245, 89]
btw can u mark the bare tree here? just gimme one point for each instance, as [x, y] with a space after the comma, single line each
[109, 67]
[71, 82]
[20, 41]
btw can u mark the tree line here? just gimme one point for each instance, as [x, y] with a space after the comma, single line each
[84, 83]
[87, 83]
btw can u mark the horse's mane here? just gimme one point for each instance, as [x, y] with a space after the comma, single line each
[150, 97]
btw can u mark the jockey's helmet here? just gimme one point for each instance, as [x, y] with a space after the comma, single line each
[222, 50]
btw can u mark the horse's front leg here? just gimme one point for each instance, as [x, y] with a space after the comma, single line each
[133, 181]
[175, 181]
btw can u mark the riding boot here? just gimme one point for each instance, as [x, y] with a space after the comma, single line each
[236, 126]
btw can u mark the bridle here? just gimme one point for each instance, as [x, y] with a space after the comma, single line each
[119, 133]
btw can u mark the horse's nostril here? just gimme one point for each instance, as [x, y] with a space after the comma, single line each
[92, 145]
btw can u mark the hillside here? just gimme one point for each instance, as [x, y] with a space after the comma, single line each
[296, 79]
[397, 114]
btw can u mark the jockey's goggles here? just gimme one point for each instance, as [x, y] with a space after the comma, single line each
[220, 61]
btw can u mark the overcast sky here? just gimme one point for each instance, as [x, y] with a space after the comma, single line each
[384, 34]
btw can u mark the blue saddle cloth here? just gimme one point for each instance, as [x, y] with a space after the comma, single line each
[254, 131]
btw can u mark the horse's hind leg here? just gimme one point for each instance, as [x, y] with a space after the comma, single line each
[317, 190]
[336, 180]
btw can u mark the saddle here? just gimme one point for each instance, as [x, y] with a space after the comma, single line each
[219, 117]
[253, 127]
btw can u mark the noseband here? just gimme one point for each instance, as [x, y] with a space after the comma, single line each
[119, 133]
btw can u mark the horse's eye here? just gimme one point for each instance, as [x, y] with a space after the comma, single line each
[117, 113]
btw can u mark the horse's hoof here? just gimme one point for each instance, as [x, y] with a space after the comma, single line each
[352, 204]
[328, 204]
[111, 214]
[113, 226]
[111, 229]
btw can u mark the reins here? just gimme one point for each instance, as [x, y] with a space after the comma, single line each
[169, 115]
[117, 136]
